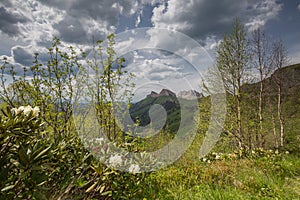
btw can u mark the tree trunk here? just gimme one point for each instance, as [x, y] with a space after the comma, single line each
[262, 134]
[274, 132]
[239, 120]
[279, 113]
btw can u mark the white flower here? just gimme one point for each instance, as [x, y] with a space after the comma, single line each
[218, 157]
[21, 108]
[134, 169]
[35, 111]
[14, 110]
[99, 139]
[115, 160]
[27, 110]
[287, 152]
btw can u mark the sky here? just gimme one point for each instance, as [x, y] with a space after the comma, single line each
[29, 26]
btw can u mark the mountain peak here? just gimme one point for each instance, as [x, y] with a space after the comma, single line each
[189, 94]
[166, 92]
[153, 94]
[163, 92]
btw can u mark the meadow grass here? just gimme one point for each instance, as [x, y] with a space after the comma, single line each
[245, 178]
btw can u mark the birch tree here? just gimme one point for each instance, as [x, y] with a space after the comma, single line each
[262, 63]
[232, 60]
[279, 60]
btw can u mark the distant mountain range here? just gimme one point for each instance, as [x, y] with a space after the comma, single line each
[189, 94]
[171, 102]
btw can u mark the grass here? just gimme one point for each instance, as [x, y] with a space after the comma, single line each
[247, 178]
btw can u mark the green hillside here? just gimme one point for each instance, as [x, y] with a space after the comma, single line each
[290, 108]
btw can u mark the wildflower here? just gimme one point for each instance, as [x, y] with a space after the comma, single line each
[287, 152]
[27, 110]
[115, 160]
[14, 110]
[21, 109]
[99, 139]
[18, 110]
[35, 111]
[134, 169]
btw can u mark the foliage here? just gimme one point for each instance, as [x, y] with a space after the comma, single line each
[24, 156]
[42, 156]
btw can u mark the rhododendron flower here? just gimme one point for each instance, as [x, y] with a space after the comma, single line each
[134, 168]
[115, 160]
[26, 110]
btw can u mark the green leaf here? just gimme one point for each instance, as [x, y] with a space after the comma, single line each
[39, 195]
[102, 189]
[107, 193]
[7, 188]
[91, 187]
[23, 156]
[42, 153]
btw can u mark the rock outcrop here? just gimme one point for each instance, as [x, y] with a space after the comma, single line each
[190, 94]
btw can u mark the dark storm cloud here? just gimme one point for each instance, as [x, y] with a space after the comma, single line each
[200, 18]
[101, 10]
[71, 30]
[22, 56]
[88, 19]
[6, 3]
[9, 22]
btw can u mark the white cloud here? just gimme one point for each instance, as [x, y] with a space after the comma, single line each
[198, 18]
[41, 20]
[298, 7]
[262, 12]
[138, 20]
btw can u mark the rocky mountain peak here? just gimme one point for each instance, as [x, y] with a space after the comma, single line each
[163, 92]
[189, 94]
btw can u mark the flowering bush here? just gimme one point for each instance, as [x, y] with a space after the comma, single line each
[243, 153]
[23, 156]
[26, 110]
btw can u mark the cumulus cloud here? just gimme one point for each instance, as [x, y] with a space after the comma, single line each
[71, 30]
[74, 21]
[40, 21]
[9, 21]
[106, 12]
[198, 18]
[262, 12]
[22, 56]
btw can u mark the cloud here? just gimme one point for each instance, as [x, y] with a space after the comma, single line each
[9, 21]
[40, 21]
[22, 56]
[298, 7]
[74, 21]
[105, 12]
[262, 12]
[71, 30]
[198, 18]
